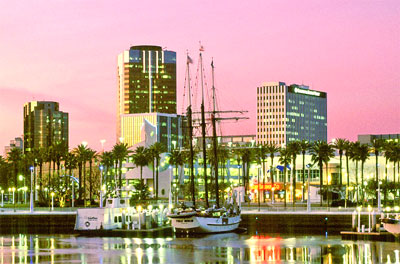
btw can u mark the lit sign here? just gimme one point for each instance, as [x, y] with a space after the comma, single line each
[307, 92]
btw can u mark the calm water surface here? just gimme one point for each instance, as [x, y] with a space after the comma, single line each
[221, 248]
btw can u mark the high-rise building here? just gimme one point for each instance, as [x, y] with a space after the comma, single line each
[44, 125]
[368, 138]
[18, 142]
[287, 113]
[146, 82]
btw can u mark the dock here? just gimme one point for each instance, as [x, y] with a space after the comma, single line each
[369, 236]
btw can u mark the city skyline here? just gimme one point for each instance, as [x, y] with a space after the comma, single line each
[349, 50]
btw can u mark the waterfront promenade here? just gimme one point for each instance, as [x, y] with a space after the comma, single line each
[255, 220]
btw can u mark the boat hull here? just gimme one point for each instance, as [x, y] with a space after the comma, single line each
[392, 225]
[204, 224]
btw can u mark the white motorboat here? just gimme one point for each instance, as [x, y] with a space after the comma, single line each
[116, 215]
[392, 225]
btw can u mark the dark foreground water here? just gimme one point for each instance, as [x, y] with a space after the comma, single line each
[221, 248]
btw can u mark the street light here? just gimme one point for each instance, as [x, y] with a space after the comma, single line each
[31, 196]
[379, 196]
[52, 201]
[2, 198]
[101, 186]
[13, 191]
[139, 209]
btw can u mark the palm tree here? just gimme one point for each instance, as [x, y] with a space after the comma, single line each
[377, 145]
[60, 150]
[363, 154]
[107, 160]
[347, 149]
[395, 158]
[223, 156]
[304, 146]
[14, 157]
[49, 159]
[120, 152]
[91, 155]
[71, 163]
[340, 145]
[141, 159]
[285, 159]
[355, 156]
[294, 148]
[272, 149]
[237, 153]
[321, 152]
[40, 157]
[261, 156]
[156, 150]
[176, 158]
[81, 153]
[247, 158]
[388, 149]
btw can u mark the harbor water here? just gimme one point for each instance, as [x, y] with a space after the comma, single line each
[218, 248]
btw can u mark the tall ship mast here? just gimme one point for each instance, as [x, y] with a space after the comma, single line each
[190, 121]
[212, 219]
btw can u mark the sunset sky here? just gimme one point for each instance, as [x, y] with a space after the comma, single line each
[66, 51]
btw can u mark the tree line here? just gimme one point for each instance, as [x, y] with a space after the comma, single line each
[60, 164]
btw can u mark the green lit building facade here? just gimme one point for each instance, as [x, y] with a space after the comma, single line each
[146, 82]
[44, 125]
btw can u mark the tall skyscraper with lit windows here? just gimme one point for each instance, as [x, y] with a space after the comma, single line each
[44, 125]
[146, 82]
[287, 113]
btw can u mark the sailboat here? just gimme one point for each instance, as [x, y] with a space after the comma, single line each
[213, 219]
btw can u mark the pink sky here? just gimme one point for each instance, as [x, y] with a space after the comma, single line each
[66, 51]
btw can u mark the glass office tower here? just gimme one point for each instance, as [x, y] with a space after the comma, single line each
[146, 82]
[44, 125]
[287, 113]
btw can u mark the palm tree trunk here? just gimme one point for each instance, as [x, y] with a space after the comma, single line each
[80, 180]
[294, 181]
[340, 173]
[90, 181]
[84, 183]
[157, 161]
[284, 184]
[327, 184]
[304, 172]
[272, 175]
[321, 183]
[386, 185]
[358, 200]
[362, 182]
[376, 175]
[263, 174]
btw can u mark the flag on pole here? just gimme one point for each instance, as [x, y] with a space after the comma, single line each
[189, 60]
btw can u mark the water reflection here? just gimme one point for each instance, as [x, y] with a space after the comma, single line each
[221, 248]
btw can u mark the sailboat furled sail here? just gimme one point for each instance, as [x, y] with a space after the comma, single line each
[212, 219]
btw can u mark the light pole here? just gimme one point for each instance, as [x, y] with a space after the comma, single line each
[379, 196]
[101, 186]
[52, 201]
[13, 191]
[2, 198]
[170, 186]
[139, 209]
[31, 197]
[308, 188]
